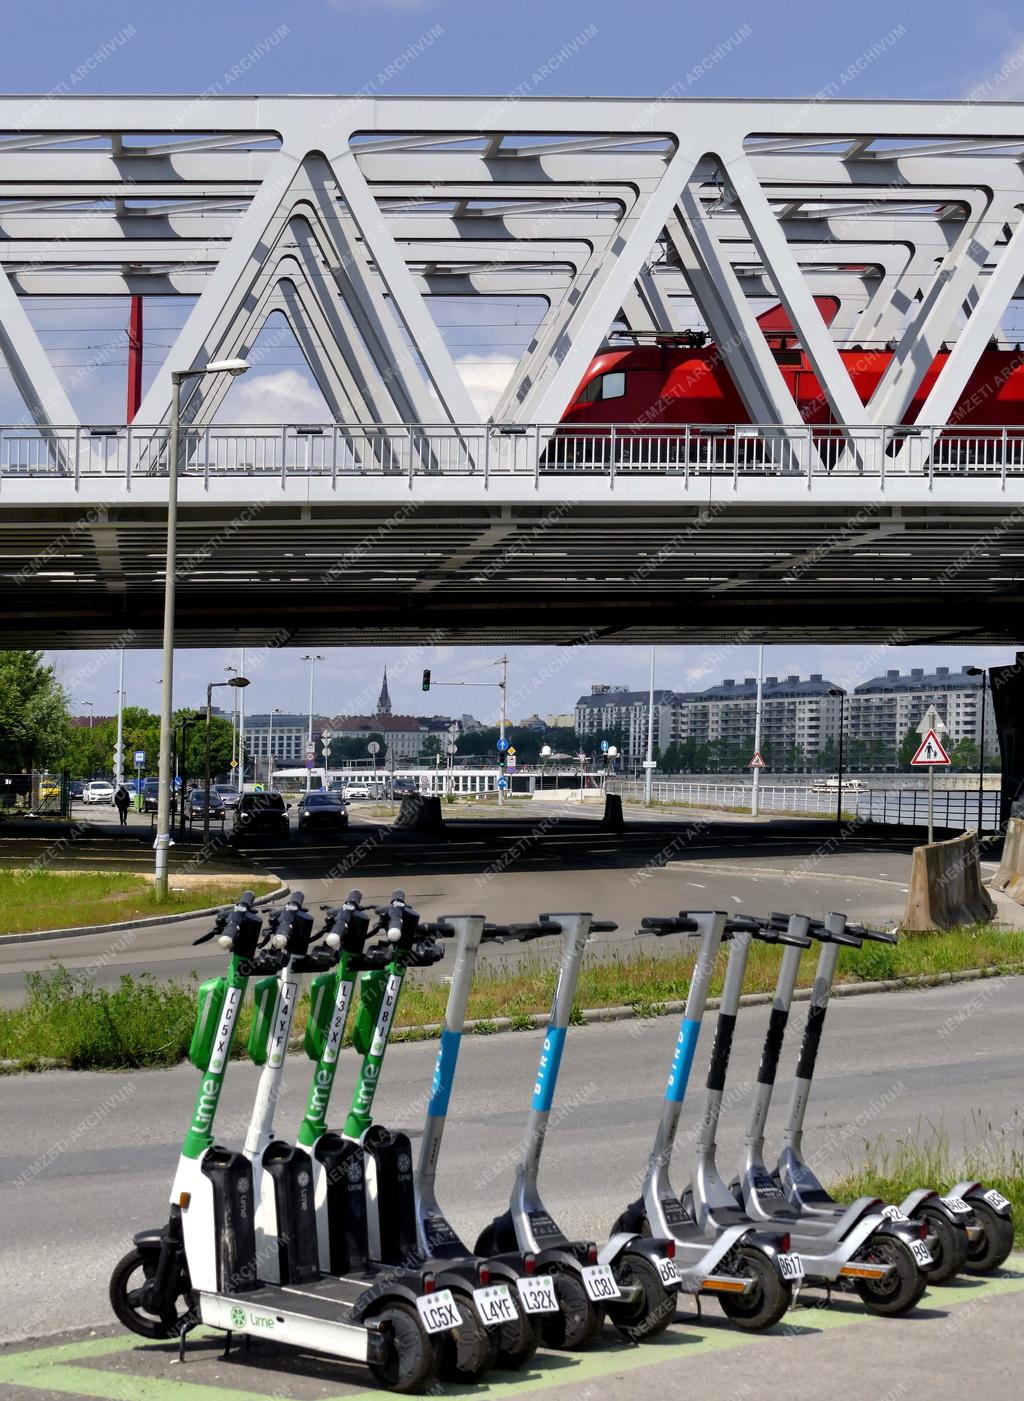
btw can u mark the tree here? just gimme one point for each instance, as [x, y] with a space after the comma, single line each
[33, 712]
[964, 754]
[909, 745]
[431, 746]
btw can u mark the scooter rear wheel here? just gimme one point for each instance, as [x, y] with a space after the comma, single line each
[517, 1344]
[414, 1357]
[653, 1311]
[579, 1321]
[767, 1301]
[473, 1352]
[128, 1280]
[995, 1245]
[899, 1291]
[950, 1245]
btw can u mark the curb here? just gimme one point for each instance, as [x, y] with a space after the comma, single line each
[147, 923]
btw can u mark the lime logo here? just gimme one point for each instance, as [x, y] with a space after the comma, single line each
[238, 1317]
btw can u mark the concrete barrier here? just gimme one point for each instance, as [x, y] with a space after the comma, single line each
[1010, 876]
[612, 819]
[419, 813]
[945, 886]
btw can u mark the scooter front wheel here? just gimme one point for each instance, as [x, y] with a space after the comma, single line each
[579, 1320]
[902, 1287]
[414, 1357]
[653, 1311]
[766, 1302]
[950, 1245]
[473, 1350]
[991, 1250]
[128, 1282]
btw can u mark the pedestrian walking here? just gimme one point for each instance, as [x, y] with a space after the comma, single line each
[122, 801]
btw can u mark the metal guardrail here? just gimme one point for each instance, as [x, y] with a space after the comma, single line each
[955, 809]
[337, 451]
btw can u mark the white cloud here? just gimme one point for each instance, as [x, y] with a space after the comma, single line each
[286, 396]
[485, 376]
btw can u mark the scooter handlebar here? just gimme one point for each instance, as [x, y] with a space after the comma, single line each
[517, 933]
[667, 924]
[879, 936]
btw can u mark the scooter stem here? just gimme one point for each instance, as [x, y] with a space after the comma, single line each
[785, 983]
[792, 1136]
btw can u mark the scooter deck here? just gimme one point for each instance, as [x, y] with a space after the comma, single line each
[316, 1316]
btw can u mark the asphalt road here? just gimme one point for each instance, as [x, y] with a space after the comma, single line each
[516, 870]
[88, 1157]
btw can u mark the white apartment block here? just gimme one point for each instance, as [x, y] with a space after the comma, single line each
[887, 706]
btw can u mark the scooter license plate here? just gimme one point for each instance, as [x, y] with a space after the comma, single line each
[791, 1267]
[537, 1294]
[957, 1206]
[996, 1199]
[667, 1272]
[438, 1311]
[893, 1213]
[599, 1282]
[920, 1252]
[494, 1305]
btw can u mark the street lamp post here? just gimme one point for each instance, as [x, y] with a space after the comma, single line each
[545, 755]
[162, 843]
[980, 671]
[312, 659]
[92, 710]
[270, 746]
[835, 691]
[186, 722]
[235, 681]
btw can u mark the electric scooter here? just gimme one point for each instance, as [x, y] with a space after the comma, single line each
[752, 1275]
[968, 1231]
[882, 1259]
[363, 1185]
[632, 1280]
[202, 1266]
[506, 1287]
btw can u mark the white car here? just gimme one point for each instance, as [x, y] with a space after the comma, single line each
[98, 792]
[356, 790]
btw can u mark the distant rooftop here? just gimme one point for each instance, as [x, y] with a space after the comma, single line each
[917, 679]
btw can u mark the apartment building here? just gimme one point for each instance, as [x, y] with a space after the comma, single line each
[796, 714]
[619, 714]
[885, 707]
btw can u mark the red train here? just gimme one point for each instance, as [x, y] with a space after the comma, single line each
[681, 379]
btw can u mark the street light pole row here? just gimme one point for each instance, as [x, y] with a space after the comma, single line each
[162, 843]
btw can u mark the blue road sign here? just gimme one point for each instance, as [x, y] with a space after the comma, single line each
[501, 746]
[604, 746]
[503, 783]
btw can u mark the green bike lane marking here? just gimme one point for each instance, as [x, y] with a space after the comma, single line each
[54, 1369]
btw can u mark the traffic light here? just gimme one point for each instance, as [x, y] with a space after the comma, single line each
[426, 680]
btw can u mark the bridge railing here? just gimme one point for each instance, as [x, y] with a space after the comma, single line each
[338, 451]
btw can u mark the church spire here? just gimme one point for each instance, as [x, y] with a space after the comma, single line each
[384, 700]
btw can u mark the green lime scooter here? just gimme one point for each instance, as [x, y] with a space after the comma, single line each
[202, 1266]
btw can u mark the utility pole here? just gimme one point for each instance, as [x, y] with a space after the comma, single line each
[241, 729]
[312, 659]
[503, 683]
[119, 746]
[649, 761]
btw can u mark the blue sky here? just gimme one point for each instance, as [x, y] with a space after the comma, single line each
[644, 48]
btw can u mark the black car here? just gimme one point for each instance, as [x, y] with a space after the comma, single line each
[197, 805]
[262, 812]
[322, 809]
[76, 788]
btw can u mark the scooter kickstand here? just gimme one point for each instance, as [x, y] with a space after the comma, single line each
[227, 1346]
[182, 1336]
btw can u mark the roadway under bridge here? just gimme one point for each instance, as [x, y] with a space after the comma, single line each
[411, 514]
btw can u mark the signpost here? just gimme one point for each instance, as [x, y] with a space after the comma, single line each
[374, 750]
[931, 755]
[140, 759]
[757, 763]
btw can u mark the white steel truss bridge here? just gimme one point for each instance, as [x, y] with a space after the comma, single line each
[413, 510]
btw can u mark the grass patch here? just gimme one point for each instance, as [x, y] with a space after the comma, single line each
[68, 1018]
[37, 900]
[892, 1168]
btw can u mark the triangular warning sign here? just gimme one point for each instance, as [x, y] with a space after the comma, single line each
[930, 751]
[757, 762]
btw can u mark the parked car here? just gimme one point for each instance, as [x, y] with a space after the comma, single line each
[322, 809]
[356, 790]
[76, 788]
[261, 812]
[98, 791]
[151, 795]
[402, 786]
[229, 796]
[197, 805]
